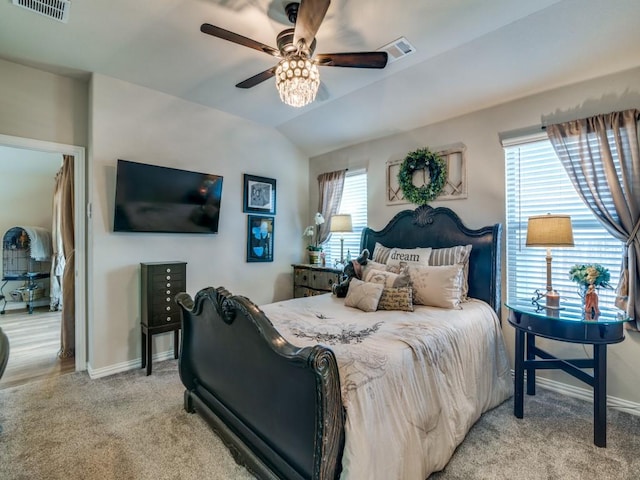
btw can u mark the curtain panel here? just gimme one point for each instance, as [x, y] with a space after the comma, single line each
[601, 155]
[68, 324]
[57, 263]
[331, 185]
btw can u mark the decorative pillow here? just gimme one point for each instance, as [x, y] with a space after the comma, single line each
[387, 279]
[371, 265]
[437, 286]
[363, 295]
[410, 256]
[396, 299]
[380, 253]
[450, 256]
[402, 267]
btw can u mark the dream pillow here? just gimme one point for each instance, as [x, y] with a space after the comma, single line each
[410, 256]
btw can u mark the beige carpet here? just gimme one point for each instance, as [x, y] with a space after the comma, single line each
[130, 426]
[127, 426]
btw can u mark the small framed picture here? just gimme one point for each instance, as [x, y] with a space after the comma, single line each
[260, 238]
[259, 195]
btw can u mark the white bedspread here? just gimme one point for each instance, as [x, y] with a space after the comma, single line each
[413, 383]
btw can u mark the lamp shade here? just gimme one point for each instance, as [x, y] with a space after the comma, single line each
[341, 223]
[549, 231]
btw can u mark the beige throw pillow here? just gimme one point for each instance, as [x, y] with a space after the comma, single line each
[380, 253]
[387, 279]
[437, 286]
[371, 265]
[363, 295]
[450, 256]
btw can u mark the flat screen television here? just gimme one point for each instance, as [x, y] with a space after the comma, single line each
[150, 198]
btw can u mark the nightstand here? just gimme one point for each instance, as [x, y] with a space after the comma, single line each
[602, 330]
[309, 280]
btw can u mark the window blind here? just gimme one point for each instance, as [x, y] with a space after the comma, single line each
[536, 184]
[354, 202]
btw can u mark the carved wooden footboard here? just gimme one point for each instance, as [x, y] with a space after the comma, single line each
[276, 406]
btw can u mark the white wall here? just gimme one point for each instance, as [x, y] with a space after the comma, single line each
[41, 105]
[142, 125]
[485, 204]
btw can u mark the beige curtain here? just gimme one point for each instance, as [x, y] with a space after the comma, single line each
[602, 157]
[330, 186]
[57, 263]
[68, 327]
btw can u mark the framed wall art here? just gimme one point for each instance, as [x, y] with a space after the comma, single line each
[259, 195]
[455, 186]
[260, 238]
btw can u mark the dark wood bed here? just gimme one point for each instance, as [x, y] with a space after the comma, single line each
[276, 406]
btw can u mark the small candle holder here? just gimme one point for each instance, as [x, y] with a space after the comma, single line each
[551, 297]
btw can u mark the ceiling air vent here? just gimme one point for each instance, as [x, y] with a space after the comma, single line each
[56, 9]
[398, 49]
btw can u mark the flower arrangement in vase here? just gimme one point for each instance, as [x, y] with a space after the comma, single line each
[313, 231]
[590, 274]
[589, 278]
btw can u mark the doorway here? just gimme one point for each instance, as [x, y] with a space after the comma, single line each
[34, 344]
[81, 319]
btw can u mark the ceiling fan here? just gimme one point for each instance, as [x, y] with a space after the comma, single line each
[297, 76]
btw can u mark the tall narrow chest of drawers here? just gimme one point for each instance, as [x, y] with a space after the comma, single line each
[159, 284]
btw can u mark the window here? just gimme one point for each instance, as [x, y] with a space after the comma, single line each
[354, 202]
[536, 184]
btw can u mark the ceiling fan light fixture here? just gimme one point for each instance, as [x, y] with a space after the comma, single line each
[297, 80]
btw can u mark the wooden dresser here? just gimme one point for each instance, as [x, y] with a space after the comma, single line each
[159, 284]
[309, 280]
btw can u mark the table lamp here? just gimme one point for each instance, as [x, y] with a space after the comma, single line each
[549, 231]
[340, 224]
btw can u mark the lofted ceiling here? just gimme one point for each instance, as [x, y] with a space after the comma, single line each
[470, 54]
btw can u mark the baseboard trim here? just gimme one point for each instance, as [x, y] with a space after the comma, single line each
[126, 366]
[586, 394]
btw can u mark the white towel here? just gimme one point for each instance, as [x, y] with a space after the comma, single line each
[40, 243]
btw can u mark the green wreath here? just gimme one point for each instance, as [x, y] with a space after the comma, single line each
[422, 159]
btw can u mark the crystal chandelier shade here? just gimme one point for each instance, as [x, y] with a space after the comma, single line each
[297, 80]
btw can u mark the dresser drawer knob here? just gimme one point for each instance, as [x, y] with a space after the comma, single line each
[168, 319]
[168, 299]
[168, 270]
[168, 308]
[168, 277]
[168, 292]
[168, 284]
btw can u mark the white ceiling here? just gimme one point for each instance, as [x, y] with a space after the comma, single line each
[471, 54]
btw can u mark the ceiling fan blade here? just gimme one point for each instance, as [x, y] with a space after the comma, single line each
[259, 78]
[356, 60]
[310, 16]
[239, 39]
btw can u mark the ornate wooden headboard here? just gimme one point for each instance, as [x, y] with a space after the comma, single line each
[440, 228]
